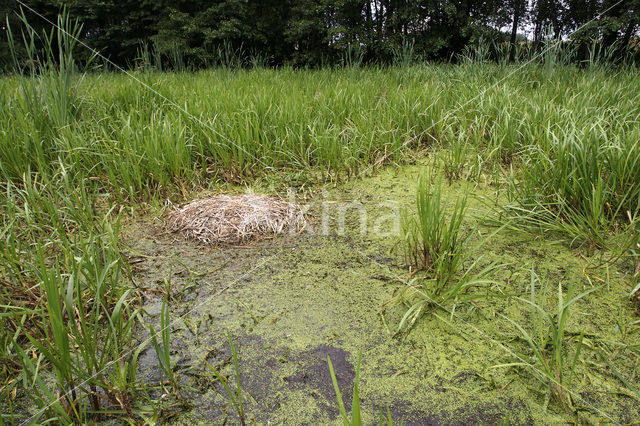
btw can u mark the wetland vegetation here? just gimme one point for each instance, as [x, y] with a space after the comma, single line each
[510, 292]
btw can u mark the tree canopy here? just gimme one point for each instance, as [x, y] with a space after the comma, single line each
[199, 33]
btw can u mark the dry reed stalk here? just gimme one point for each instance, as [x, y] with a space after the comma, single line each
[233, 219]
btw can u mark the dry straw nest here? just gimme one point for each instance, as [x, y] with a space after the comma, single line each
[234, 219]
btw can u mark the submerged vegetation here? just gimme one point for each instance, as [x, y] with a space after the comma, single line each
[559, 145]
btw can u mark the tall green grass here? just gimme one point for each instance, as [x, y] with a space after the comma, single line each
[330, 125]
[67, 299]
[67, 317]
[433, 237]
[584, 183]
[434, 245]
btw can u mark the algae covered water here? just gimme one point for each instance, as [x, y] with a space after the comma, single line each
[292, 302]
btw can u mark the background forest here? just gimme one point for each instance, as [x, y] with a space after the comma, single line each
[201, 33]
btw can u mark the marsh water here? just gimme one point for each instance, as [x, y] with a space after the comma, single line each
[292, 301]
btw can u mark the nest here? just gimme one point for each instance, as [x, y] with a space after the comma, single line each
[233, 219]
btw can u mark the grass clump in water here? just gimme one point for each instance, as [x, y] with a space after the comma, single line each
[433, 239]
[553, 360]
[235, 396]
[356, 415]
[433, 243]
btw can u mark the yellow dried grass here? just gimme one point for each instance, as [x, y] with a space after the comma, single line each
[234, 219]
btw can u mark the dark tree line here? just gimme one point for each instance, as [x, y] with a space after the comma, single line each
[199, 33]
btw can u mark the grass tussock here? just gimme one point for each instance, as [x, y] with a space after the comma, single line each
[433, 237]
[435, 247]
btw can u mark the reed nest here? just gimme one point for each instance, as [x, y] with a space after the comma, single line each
[234, 219]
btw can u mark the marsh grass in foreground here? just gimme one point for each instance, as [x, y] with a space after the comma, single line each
[163, 352]
[69, 303]
[356, 415]
[554, 361]
[85, 337]
[235, 396]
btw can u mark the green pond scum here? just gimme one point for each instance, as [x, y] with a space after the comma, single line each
[294, 300]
